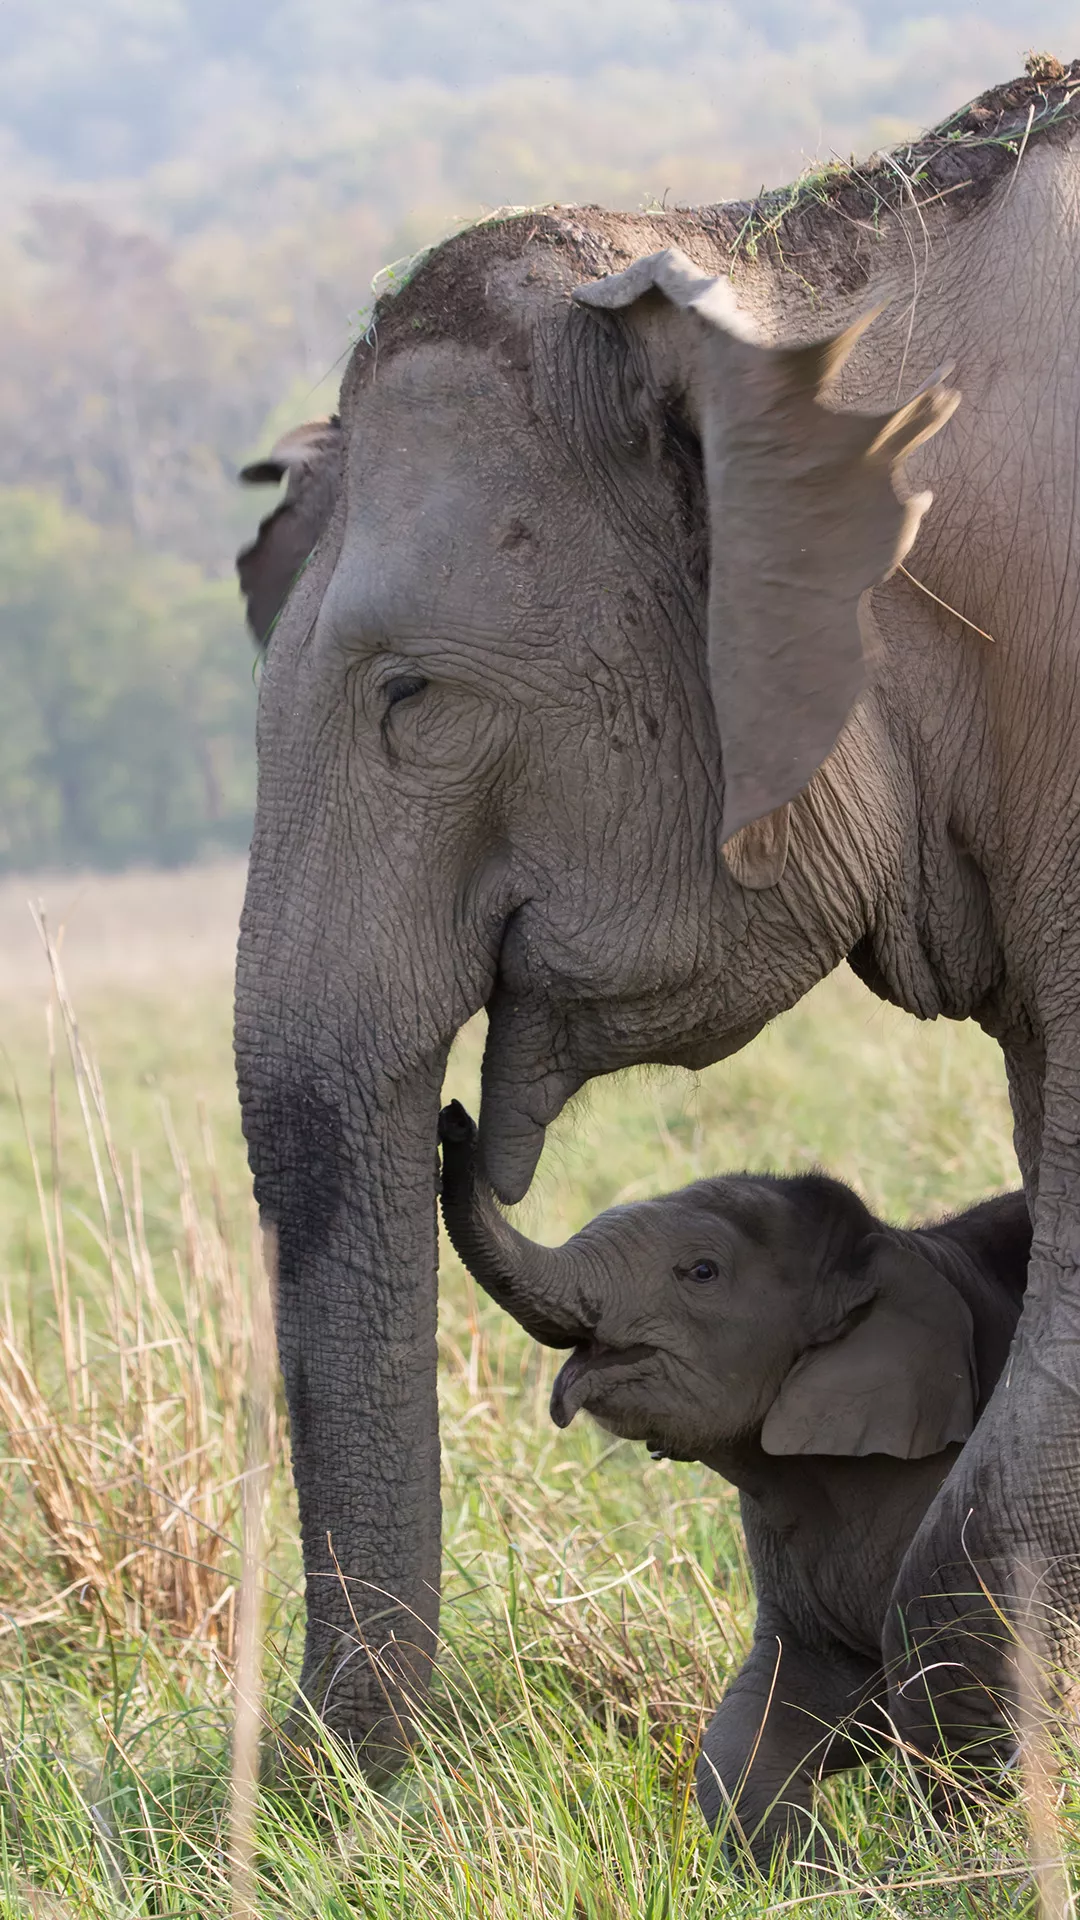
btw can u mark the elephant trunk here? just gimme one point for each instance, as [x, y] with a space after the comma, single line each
[540, 1286]
[344, 1177]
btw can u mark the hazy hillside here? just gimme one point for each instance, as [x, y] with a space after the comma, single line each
[197, 196]
[97, 88]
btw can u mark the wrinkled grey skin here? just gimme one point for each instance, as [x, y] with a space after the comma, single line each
[829, 1366]
[491, 773]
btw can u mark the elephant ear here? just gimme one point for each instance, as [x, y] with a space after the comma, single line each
[900, 1380]
[804, 517]
[757, 854]
[309, 460]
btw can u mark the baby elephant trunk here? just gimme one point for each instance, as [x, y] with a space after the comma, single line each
[540, 1286]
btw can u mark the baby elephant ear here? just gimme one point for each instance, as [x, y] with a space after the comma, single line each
[309, 460]
[900, 1381]
[804, 517]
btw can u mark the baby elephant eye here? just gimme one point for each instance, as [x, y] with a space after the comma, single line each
[702, 1270]
[402, 687]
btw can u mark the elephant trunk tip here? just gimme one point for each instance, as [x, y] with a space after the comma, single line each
[457, 1128]
[536, 1284]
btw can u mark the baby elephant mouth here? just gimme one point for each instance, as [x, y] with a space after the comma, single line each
[571, 1389]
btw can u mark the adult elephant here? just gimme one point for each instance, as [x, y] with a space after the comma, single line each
[567, 717]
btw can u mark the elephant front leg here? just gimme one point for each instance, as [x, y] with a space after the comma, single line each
[779, 1728]
[984, 1612]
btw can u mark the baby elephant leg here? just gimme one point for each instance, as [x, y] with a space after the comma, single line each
[775, 1733]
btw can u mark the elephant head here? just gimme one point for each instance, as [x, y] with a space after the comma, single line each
[737, 1309]
[583, 611]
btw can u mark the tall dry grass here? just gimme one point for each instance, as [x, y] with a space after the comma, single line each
[125, 1420]
[596, 1602]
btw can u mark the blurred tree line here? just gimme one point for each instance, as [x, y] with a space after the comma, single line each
[127, 697]
[195, 199]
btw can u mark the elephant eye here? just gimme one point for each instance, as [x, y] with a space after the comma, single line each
[701, 1270]
[402, 687]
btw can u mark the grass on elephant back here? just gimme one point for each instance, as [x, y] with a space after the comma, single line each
[596, 1603]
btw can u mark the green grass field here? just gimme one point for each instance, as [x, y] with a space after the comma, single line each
[594, 1601]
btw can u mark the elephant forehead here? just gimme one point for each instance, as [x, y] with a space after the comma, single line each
[441, 428]
[440, 513]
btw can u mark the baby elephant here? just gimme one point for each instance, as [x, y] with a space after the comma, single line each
[828, 1366]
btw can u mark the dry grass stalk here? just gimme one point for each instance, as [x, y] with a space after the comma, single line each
[248, 1676]
[626, 1643]
[132, 1464]
[1039, 1772]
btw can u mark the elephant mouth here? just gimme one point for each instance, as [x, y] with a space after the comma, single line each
[575, 1375]
[539, 1054]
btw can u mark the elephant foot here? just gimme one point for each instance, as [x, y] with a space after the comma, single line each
[302, 1744]
[305, 1746]
[788, 1840]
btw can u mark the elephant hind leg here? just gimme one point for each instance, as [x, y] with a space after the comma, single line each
[781, 1726]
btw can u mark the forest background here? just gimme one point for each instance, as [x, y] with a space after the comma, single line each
[196, 199]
